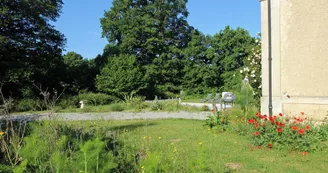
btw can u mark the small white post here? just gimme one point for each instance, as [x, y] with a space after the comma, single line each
[82, 105]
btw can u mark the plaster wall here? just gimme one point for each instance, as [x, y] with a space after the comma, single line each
[300, 57]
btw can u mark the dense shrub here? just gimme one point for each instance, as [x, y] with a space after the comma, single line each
[28, 105]
[117, 107]
[219, 121]
[96, 99]
[68, 102]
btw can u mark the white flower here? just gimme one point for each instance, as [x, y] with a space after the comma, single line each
[254, 80]
[260, 86]
[241, 71]
[248, 59]
[256, 41]
[254, 93]
[234, 75]
[253, 71]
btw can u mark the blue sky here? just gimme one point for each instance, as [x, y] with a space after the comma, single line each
[80, 20]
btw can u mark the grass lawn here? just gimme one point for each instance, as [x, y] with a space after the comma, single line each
[187, 146]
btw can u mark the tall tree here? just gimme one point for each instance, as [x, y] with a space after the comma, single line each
[30, 47]
[201, 72]
[155, 32]
[232, 47]
[121, 76]
[80, 73]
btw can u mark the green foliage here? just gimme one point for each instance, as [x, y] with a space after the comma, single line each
[245, 98]
[253, 69]
[68, 102]
[218, 121]
[232, 48]
[80, 73]
[118, 107]
[283, 132]
[30, 47]
[201, 72]
[122, 76]
[65, 149]
[29, 105]
[157, 106]
[155, 32]
[96, 99]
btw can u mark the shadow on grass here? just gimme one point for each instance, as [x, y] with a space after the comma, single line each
[132, 126]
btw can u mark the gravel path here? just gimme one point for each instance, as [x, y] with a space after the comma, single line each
[116, 116]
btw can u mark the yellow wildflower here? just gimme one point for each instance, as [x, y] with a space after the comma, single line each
[145, 137]
[201, 143]
[1, 133]
[209, 129]
[159, 137]
[142, 167]
[174, 150]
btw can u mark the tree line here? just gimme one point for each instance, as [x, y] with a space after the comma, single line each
[151, 51]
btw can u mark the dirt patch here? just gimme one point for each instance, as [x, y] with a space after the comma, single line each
[233, 166]
[175, 140]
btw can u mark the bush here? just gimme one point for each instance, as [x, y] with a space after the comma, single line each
[68, 102]
[95, 99]
[218, 121]
[117, 107]
[28, 105]
[157, 106]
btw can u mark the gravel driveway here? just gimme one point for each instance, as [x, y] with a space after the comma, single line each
[116, 116]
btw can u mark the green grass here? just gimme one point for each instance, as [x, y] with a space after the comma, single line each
[188, 146]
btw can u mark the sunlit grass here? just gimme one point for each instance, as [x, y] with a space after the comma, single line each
[188, 146]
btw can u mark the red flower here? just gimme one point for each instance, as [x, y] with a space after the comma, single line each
[270, 145]
[212, 110]
[279, 130]
[301, 131]
[257, 114]
[307, 128]
[256, 125]
[257, 133]
[304, 153]
[280, 124]
[280, 114]
[274, 117]
[294, 128]
[251, 121]
[302, 113]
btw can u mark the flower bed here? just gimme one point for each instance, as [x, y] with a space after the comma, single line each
[294, 133]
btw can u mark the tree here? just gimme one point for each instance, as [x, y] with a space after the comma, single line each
[201, 72]
[232, 48]
[80, 73]
[155, 32]
[121, 76]
[30, 48]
